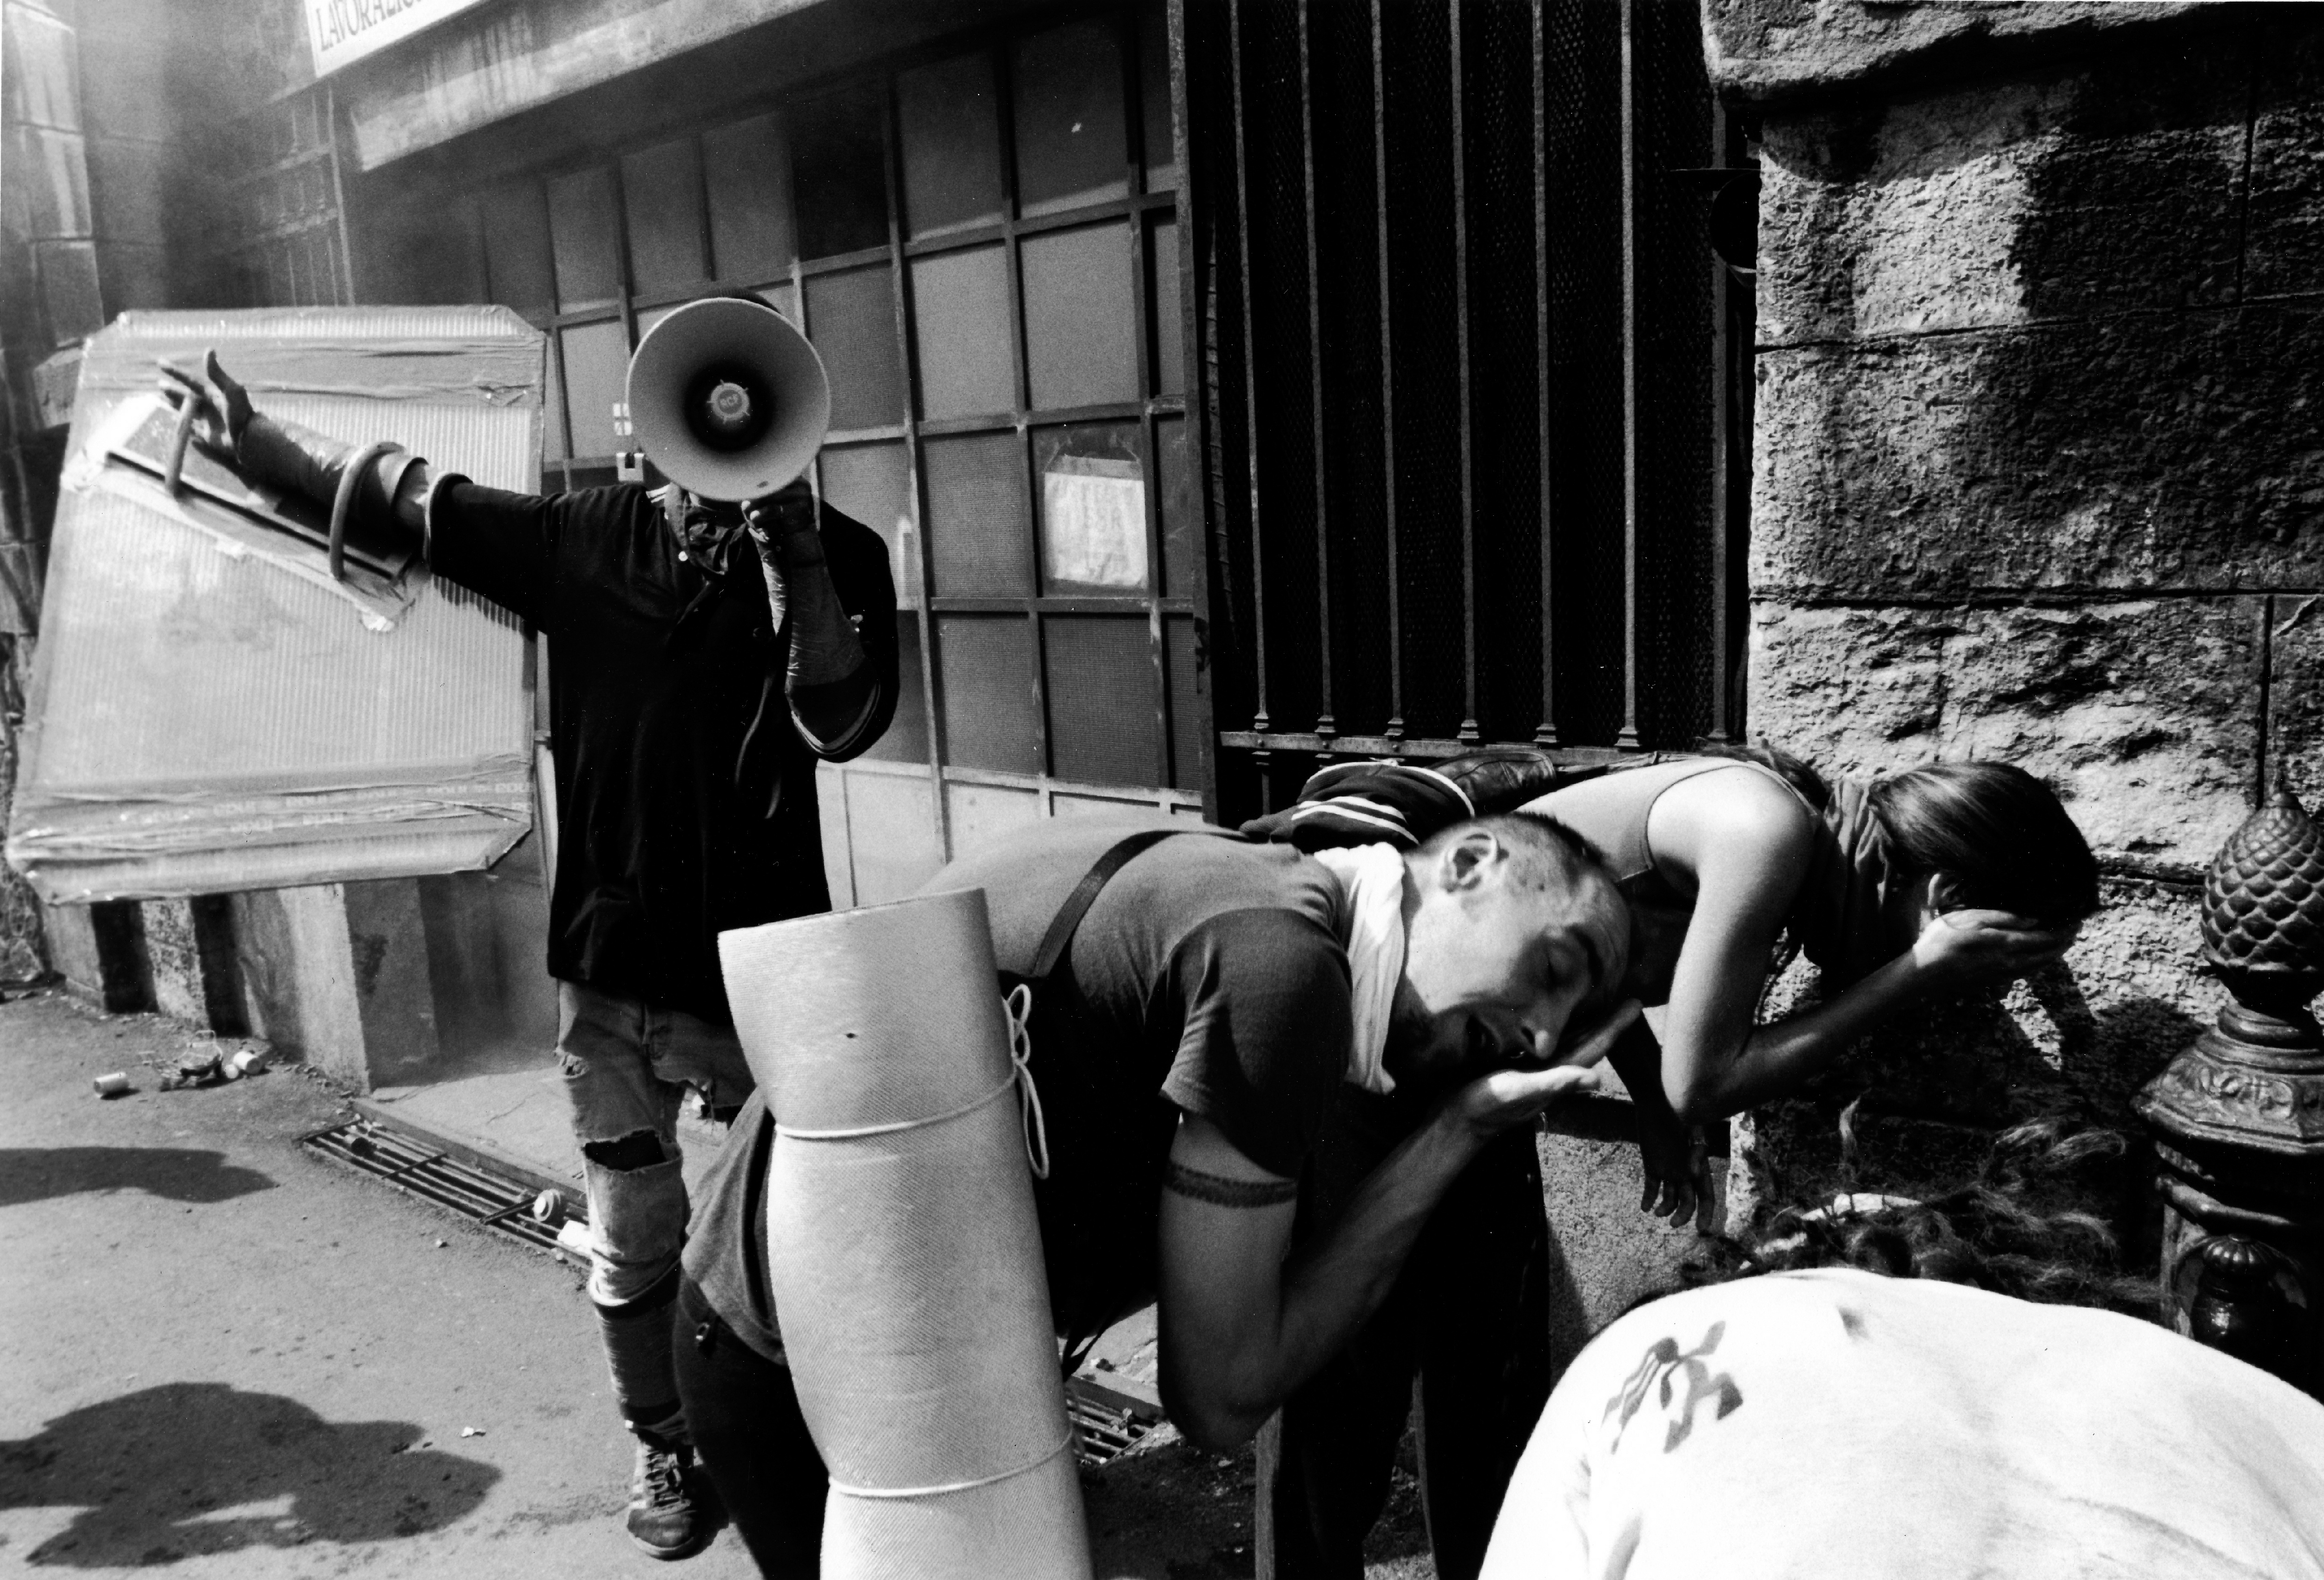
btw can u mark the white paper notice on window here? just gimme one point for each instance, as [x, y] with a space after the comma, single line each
[1095, 510]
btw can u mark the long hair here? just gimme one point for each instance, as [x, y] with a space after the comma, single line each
[1997, 832]
[2019, 1226]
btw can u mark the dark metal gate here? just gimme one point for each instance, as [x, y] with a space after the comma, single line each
[1467, 381]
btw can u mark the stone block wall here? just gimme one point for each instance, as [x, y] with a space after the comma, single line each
[2037, 477]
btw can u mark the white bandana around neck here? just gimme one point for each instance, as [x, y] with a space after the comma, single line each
[1372, 877]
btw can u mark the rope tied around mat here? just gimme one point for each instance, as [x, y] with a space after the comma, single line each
[1018, 1003]
[961, 1486]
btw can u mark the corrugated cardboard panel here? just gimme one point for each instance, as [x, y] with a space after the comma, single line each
[210, 711]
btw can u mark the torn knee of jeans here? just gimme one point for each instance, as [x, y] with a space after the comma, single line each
[572, 1066]
[638, 1150]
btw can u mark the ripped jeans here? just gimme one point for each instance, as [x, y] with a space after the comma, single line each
[626, 1064]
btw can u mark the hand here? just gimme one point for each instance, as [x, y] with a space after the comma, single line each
[221, 407]
[1517, 1096]
[1676, 1161]
[1962, 947]
[784, 523]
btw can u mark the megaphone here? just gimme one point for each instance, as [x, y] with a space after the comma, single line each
[728, 399]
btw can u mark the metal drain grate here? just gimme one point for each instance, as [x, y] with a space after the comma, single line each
[1106, 1423]
[418, 1170]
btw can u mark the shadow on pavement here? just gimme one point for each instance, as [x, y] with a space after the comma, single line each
[36, 1173]
[194, 1468]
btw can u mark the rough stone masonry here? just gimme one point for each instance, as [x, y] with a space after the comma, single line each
[2038, 476]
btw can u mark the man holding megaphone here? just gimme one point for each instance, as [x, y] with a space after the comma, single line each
[685, 801]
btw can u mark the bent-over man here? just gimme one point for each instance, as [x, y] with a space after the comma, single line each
[1190, 1049]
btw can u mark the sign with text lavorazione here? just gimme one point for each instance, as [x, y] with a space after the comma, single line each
[343, 32]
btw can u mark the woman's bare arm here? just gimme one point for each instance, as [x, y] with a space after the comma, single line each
[1748, 849]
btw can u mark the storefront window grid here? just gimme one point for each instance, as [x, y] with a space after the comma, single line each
[1139, 213]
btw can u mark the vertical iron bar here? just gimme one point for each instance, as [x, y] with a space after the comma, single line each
[1545, 732]
[1722, 417]
[557, 346]
[900, 295]
[707, 237]
[1326, 726]
[621, 242]
[1197, 398]
[1628, 740]
[1140, 229]
[1387, 382]
[1260, 722]
[1005, 94]
[1468, 735]
[346, 280]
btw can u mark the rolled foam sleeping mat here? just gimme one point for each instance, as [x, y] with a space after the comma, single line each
[904, 1256]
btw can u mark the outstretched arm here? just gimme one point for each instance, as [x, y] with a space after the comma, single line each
[1241, 1326]
[1956, 950]
[493, 542]
[1748, 857]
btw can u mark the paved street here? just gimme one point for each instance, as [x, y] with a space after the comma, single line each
[220, 1357]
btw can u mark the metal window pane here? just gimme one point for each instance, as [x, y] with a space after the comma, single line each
[1184, 657]
[960, 317]
[1071, 148]
[893, 850]
[1080, 319]
[1154, 98]
[838, 159]
[584, 228]
[746, 168]
[1182, 544]
[662, 190]
[516, 249]
[1100, 673]
[906, 739]
[433, 258]
[873, 484]
[984, 688]
[1169, 350]
[852, 319]
[1092, 509]
[978, 519]
[949, 118]
[596, 372]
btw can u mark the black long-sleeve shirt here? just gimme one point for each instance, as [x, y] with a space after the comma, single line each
[668, 833]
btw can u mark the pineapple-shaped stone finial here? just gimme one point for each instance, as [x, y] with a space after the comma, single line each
[2264, 902]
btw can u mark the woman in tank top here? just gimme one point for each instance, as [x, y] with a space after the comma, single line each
[1914, 884]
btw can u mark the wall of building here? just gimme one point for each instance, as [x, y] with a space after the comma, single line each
[2036, 478]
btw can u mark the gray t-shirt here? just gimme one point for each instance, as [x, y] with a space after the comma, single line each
[1207, 979]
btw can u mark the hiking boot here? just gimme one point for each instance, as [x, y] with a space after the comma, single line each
[667, 1521]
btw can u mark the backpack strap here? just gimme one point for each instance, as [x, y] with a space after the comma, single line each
[1118, 856]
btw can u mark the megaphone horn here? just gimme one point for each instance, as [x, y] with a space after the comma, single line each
[728, 399]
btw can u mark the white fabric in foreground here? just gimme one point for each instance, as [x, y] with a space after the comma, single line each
[1835, 1424]
[904, 1256]
[1372, 877]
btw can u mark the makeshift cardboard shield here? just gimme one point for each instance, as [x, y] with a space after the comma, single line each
[210, 709]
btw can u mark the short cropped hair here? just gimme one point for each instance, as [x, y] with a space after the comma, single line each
[1544, 851]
